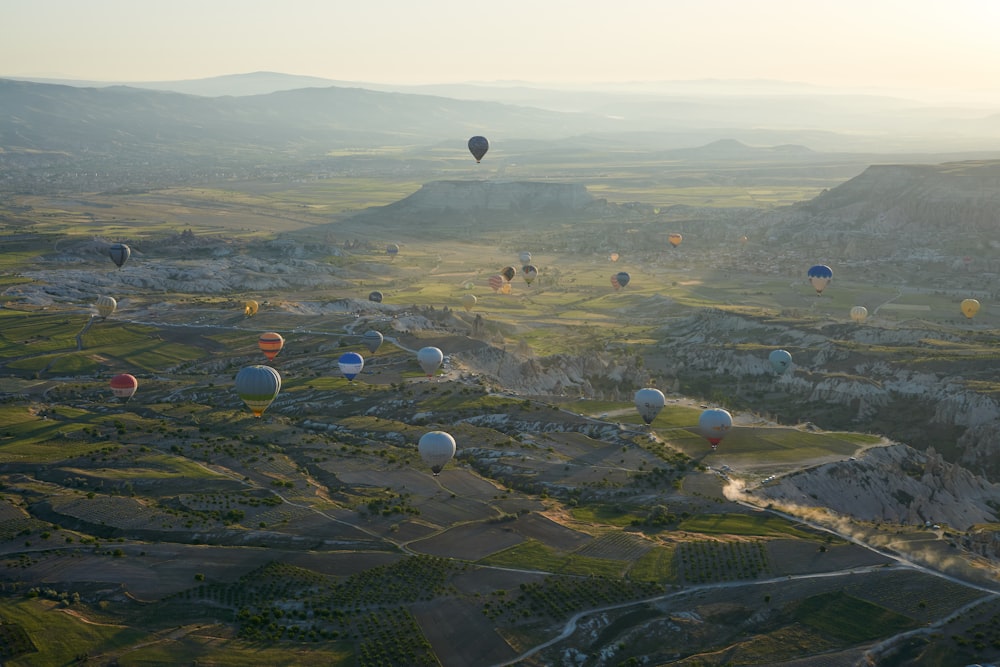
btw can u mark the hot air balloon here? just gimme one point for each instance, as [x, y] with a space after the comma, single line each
[614, 257]
[859, 314]
[106, 305]
[525, 257]
[469, 301]
[372, 340]
[270, 344]
[620, 280]
[250, 308]
[257, 386]
[713, 424]
[820, 276]
[392, 250]
[530, 272]
[649, 402]
[436, 448]
[496, 282]
[508, 273]
[350, 364]
[675, 239]
[780, 360]
[119, 253]
[970, 307]
[478, 147]
[375, 297]
[429, 359]
[123, 386]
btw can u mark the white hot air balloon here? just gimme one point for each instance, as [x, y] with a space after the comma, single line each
[436, 449]
[649, 402]
[430, 359]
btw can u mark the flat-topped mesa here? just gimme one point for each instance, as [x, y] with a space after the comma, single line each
[519, 196]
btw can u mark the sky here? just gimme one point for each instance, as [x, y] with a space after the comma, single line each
[941, 45]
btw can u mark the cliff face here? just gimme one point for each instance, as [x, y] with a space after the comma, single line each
[896, 484]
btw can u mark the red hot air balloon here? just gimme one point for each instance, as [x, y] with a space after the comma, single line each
[123, 386]
[270, 344]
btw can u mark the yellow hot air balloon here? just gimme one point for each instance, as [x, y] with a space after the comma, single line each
[675, 239]
[859, 314]
[250, 308]
[970, 307]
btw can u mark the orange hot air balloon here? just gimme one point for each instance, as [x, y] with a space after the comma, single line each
[970, 307]
[675, 239]
[123, 386]
[614, 257]
[270, 344]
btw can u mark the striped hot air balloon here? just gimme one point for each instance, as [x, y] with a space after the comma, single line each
[258, 386]
[270, 344]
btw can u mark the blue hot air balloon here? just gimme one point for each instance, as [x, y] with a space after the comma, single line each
[820, 276]
[351, 364]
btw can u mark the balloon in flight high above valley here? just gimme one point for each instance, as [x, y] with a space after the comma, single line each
[250, 308]
[675, 239]
[375, 296]
[478, 147]
[530, 272]
[392, 249]
[859, 314]
[620, 280]
[469, 301]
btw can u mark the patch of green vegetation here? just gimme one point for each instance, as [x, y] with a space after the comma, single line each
[62, 638]
[657, 565]
[849, 618]
[534, 555]
[756, 525]
[612, 515]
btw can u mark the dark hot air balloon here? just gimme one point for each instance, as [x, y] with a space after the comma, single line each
[478, 147]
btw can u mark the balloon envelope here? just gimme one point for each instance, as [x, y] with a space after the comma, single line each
[375, 296]
[780, 360]
[469, 301]
[496, 282]
[436, 448]
[350, 364]
[372, 340]
[525, 257]
[119, 253]
[123, 386]
[970, 307]
[649, 402]
[675, 239]
[530, 272]
[270, 343]
[257, 386]
[250, 308]
[106, 305]
[392, 250]
[713, 424]
[430, 359]
[820, 276]
[859, 314]
[508, 273]
[478, 147]
[620, 280]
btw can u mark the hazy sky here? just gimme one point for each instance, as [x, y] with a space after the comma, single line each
[938, 44]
